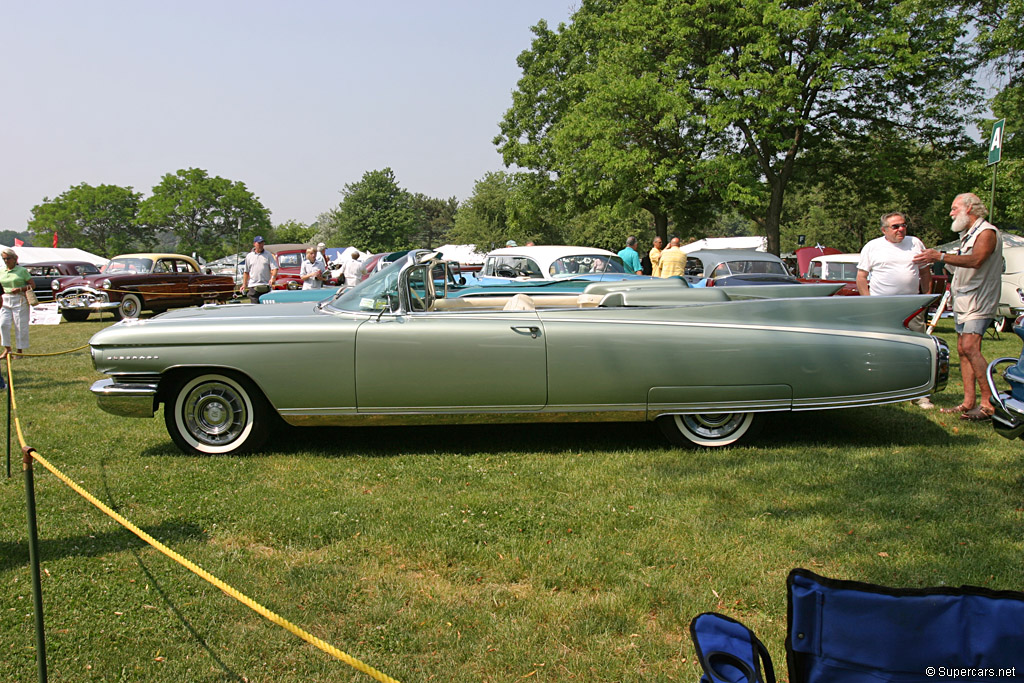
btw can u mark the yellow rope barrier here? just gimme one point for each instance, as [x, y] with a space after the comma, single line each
[191, 566]
[42, 355]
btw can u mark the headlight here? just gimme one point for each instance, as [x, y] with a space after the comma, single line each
[293, 285]
[105, 284]
[55, 285]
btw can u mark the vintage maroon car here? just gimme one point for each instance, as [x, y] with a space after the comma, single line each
[132, 283]
[45, 274]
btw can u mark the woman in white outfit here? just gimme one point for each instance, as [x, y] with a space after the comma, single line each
[16, 280]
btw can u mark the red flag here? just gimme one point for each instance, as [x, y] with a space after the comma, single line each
[54, 239]
[18, 243]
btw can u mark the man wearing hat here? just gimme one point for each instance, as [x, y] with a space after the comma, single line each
[259, 272]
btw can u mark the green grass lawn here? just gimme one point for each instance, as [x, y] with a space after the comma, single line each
[545, 553]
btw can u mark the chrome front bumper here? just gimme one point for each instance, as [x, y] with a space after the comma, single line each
[126, 400]
[1008, 419]
[85, 299]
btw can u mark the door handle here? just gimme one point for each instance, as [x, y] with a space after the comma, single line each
[534, 331]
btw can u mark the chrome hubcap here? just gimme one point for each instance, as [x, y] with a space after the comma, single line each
[214, 413]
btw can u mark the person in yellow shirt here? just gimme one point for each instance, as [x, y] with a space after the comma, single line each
[673, 260]
[655, 256]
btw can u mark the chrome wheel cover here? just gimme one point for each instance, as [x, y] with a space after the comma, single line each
[213, 413]
[713, 429]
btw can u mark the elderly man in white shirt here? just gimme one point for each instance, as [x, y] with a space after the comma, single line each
[889, 263]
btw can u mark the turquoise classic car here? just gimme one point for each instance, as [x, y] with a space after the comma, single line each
[704, 364]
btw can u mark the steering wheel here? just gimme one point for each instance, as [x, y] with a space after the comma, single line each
[505, 271]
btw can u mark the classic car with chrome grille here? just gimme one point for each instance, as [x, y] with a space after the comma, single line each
[397, 349]
[132, 283]
[47, 275]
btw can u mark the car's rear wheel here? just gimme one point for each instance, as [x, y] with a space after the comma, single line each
[1002, 324]
[75, 316]
[130, 307]
[707, 429]
[215, 414]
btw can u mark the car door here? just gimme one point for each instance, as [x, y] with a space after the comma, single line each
[491, 361]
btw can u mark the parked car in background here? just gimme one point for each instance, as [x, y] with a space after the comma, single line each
[551, 262]
[397, 349]
[731, 267]
[1008, 418]
[843, 268]
[132, 283]
[834, 268]
[47, 276]
[1011, 293]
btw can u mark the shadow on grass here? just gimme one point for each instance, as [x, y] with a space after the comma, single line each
[889, 425]
[16, 554]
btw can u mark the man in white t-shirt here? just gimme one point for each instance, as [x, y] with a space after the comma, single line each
[887, 268]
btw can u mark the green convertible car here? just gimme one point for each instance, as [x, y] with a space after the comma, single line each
[704, 364]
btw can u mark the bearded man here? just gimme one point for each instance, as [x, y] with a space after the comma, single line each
[977, 267]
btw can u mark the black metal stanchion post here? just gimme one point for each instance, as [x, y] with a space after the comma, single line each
[33, 560]
[8, 387]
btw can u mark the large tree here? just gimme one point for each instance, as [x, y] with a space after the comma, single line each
[1001, 43]
[375, 214]
[204, 211]
[434, 218]
[600, 107]
[98, 219]
[740, 90]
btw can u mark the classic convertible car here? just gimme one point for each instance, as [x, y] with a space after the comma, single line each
[1008, 419]
[724, 357]
[132, 283]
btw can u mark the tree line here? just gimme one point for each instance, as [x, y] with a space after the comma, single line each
[690, 117]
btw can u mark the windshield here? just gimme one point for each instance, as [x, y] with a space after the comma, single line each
[374, 294]
[129, 265]
[586, 264]
[735, 267]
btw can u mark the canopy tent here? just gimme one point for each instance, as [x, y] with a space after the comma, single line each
[44, 254]
[465, 254]
[757, 243]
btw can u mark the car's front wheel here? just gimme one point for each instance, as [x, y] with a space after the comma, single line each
[215, 414]
[707, 429]
[130, 307]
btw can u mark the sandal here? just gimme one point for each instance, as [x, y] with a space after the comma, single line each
[976, 415]
[959, 410]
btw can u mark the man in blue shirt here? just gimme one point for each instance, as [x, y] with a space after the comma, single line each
[631, 257]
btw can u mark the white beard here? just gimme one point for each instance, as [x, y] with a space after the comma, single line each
[961, 223]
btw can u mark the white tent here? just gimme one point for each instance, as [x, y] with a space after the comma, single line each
[44, 254]
[465, 254]
[757, 243]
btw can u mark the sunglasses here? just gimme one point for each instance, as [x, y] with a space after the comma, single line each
[897, 225]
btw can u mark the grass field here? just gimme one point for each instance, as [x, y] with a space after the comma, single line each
[543, 553]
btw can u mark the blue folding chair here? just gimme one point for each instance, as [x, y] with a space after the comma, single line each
[853, 632]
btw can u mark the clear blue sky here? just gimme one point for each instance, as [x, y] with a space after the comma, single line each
[296, 99]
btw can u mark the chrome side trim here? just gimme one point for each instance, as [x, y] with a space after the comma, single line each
[427, 419]
[126, 400]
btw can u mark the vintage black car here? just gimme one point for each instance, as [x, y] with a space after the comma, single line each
[46, 273]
